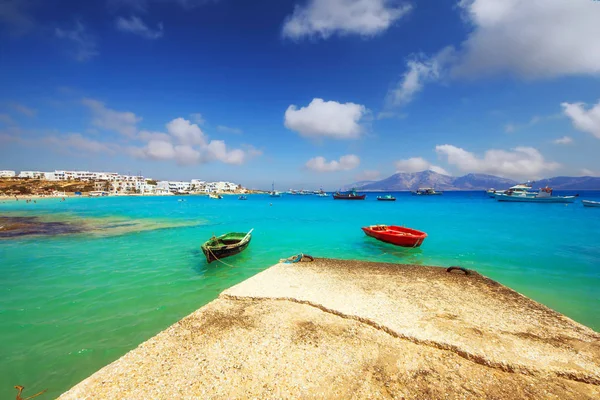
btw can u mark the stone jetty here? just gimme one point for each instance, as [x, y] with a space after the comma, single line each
[350, 329]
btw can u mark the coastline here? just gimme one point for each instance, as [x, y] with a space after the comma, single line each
[373, 329]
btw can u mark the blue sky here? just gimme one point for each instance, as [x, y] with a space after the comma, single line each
[307, 93]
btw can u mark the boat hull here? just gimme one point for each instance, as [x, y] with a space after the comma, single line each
[527, 199]
[396, 235]
[346, 197]
[213, 253]
[384, 199]
[589, 203]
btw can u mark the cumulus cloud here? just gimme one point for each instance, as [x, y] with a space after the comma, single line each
[186, 144]
[531, 38]
[324, 18]
[563, 140]
[136, 26]
[345, 163]
[84, 43]
[583, 119]
[123, 122]
[520, 162]
[418, 164]
[228, 129]
[326, 119]
[186, 132]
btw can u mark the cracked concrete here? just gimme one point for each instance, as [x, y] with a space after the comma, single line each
[348, 329]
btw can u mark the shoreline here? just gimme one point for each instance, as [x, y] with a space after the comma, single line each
[372, 328]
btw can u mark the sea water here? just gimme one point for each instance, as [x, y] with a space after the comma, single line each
[71, 304]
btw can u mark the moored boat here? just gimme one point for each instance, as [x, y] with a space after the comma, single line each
[521, 188]
[387, 197]
[215, 196]
[226, 245]
[396, 235]
[352, 195]
[589, 203]
[543, 196]
[426, 192]
[273, 192]
[242, 197]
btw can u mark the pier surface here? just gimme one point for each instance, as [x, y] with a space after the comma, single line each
[350, 329]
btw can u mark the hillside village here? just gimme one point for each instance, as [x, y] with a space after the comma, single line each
[61, 182]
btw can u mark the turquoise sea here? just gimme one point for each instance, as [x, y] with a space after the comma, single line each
[71, 304]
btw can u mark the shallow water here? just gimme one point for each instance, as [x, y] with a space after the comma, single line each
[70, 304]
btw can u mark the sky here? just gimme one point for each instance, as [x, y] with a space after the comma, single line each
[305, 93]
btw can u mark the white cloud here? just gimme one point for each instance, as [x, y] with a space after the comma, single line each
[531, 38]
[106, 118]
[197, 118]
[136, 26]
[420, 70]
[186, 132]
[326, 119]
[368, 175]
[186, 144]
[418, 164]
[586, 120]
[149, 135]
[324, 18]
[227, 129]
[520, 162]
[563, 140]
[85, 44]
[345, 163]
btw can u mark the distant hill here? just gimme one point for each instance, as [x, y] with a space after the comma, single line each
[412, 181]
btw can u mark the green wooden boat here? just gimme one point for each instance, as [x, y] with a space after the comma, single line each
[226, 245]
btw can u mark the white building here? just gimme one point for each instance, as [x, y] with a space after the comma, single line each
[7, 174]
[31, 174]
[174, 186]
[144, 187]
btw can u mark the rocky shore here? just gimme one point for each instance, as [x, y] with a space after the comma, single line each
[349, 329]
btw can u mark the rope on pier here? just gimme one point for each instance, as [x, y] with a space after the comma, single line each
[297, 258]
[466, 271]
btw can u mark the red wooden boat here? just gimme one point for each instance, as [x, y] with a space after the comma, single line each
[397, 235]
[349, 196]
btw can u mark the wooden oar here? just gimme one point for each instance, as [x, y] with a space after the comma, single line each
[247, 234]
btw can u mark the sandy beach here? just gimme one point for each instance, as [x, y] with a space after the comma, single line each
[349, 329]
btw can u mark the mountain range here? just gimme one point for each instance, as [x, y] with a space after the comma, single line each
[414, 180]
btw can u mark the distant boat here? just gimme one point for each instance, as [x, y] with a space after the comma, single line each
[215, 196]
[520, 188]
[543, 196]
[242, 197]
[274, 193]
[589, 203]
[321, 193]
[226, 245]
[387, 197]
[426, 192]
[352, 195]
[396, 235]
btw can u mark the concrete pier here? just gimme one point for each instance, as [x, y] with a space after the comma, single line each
[349, 329]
